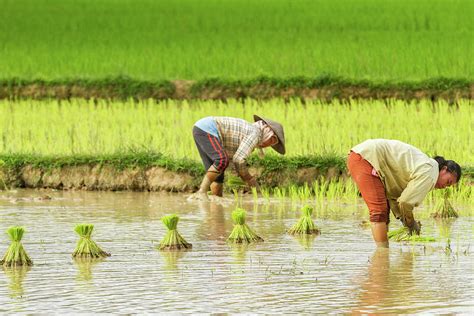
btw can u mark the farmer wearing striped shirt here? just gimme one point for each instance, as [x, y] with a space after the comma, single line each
[217, 138]
[392, 175]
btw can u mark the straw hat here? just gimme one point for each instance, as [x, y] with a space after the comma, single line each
[278, 129]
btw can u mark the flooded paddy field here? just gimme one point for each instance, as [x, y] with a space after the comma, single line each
[338, 271]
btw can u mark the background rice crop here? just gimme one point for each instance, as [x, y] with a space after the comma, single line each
[146, 39]
[100, 127]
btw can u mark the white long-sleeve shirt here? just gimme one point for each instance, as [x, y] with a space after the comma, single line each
[406, 173]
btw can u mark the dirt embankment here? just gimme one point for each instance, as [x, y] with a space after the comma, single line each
[103, 177]
[323, 88]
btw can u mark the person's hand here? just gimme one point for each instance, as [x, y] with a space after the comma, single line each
[415, 228]
[252, 182]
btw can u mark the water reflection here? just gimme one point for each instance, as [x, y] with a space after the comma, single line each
[239, 252]
[214, 225]
[305, 240]
[389, 282]
[85, 267]
[16, 276]
[172, 258]
[444, 226]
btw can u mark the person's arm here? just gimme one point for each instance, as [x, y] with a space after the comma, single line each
[240, 157]
[414, 193]
[394, 208]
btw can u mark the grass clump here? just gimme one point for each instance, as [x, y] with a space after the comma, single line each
[444, 209]
[173, 240]
[305, 224]
[242, 232]
[16, 254]
[403, 234]
[86, 247]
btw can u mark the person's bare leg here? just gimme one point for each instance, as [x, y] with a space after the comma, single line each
[210, 176]
[217, 189]
[379, 233]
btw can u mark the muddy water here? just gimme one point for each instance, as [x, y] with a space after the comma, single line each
[339, 271]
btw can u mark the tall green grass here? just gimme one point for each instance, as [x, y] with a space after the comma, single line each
[146, 39]
[313, 128]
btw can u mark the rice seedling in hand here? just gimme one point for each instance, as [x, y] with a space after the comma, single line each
[173, 240]
[86, 247]
[305, 224]
[235, 183]
[242, 232]
[403, 234]
[444, 209]
[16, 254]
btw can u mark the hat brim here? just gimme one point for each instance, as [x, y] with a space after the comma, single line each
[280, 146]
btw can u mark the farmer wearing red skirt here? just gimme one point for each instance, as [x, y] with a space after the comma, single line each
[220, 139]
[392, 175]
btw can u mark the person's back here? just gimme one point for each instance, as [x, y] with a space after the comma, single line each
[397, 163]
[233, 131]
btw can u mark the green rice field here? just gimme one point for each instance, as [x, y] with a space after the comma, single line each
[312, 128]
[395, 40]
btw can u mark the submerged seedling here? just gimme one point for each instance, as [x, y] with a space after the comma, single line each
[403, 234]
[305, 224]
[16, 255]
[241, 232]
[173, 240]
[86, 247]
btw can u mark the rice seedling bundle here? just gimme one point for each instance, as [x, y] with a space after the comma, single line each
[173, 239]
[444, 209]
[242, 233]
[305, 224]
[16, 255]
[86, 247]
[403, 234]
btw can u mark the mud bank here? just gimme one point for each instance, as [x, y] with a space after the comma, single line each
[157, 172]
[153, 172]
[262, 88]
[109, 178]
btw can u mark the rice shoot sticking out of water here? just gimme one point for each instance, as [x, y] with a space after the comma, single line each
[16, 255]
[242, 232]
[173, 240]
[403, 234]
[86, 247]
[444, 209]
[305, 224]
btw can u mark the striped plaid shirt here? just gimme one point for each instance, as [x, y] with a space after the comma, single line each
[239, 138]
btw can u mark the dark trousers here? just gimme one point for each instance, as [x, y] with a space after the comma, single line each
[211, 151]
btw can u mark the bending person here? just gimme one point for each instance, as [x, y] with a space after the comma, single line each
[392, 175]
[217, 138]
